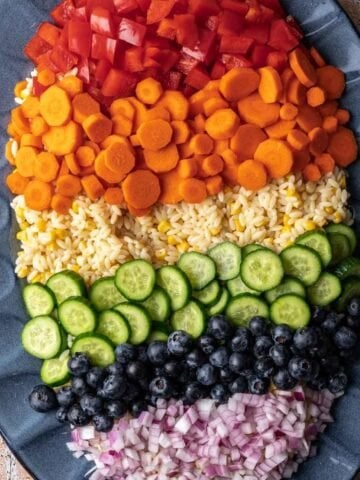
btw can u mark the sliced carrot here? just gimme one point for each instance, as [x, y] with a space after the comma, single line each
[187, 168]
[246, 140]
[213, 104]
[176, 103]
[319, 141]
[286, 77]
[312, 173]
[301, 66]
[115, 139]
[316, 56]
[185, 150]
[55, 106]
[122, 107]
[212, 85]
[330, 124]
[122, 125]
[104, 172]
[214, 185]
[141, 189]
[140, 112]
[25, 161]
[239, 83]
[193, 190]
[85, 171]
[221, 146]
[29, 140]
[296, 92]
[308, 118]
[63, 140]
[280, 129]
[97, 127]
[230, 157]
[19, 121]
[61, 204]
[119, 159]
[162, 160]
[316, 96]
[155, 134]
[68, 185]
[181, 132]
[230, 175]
[84, 106]
[332, 80]
[270, 87]
[19, 87]
[94, 146]
[64, 169]
[156, 113]
[8, 153]
[212, 165]
[325, 162]
[343, 116]
[199, 123]
[288, 111]
[38, 195]
[254, 110]
[72, 85]
[301, 159]
[85, 156]
[276, 156]
[46, 167]
[343, 147]
[38, 126]
[201, 144]
[297, 139]
[92, 187]
[16, 183]
[31, 107]
[149, 91]
[198, 100]
[252, 175]
[170, 181]
[72, 163]
[138, 212]
[328, 108]
[46, 77]
[10, 130]
[222, 124]
[113, 196]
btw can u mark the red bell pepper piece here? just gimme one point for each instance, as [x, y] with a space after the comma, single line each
[197, 77]
[107, 4]
[231, 23]
[118, 83]
[101, 22]
[166, 59]
[172, 80]
[236, 6]
[35, 47]
[284, 36]
[79, 38]
[259, 32]
[80, 3]
[278, 60]
[149, 57]
[158, 42]
[212, 23]
[134, 60]
[44, 61]
[103, 48]
[131, 32]
[80, 14]
[186, 63]
[205, 50]
[125, 6]
[274, 5]
[84, 70]
[38, 89]
[102, 69]
[167, 28]
[259, 55]
[159, 9]
[143, 5]
[235, 44]
[217, 71]
[63, 59]
[204, 8]
[63, 12]
[187, 33]
[48, 32]
[235, 61]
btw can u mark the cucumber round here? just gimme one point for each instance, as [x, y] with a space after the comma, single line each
[236, 286]
[158, 305]
[340, 247]
[41, 337]
[241, 309]
[157, 335]
[344, 230]
[351, 289]
[98, 349]
[262, 270]
[138, 319]
[319, 242]
[104, 295]
[76, 316]
[288, 285]
[209, 295]
[199, 268]
[325, 291]
[39, 300]
[302, 263]
[220, 305]
[190, 319]
[252, 247]
[176, 285]
[291, 310]
[66, 284]
[55, 372]
[113, 326]
[135, 280]
[350, 267]
[227, 257]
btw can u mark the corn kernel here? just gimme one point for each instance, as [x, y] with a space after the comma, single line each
[60, 233]
[172, 241]
[329, 210]
[24, 225]
[37, 278]
[286, 229]
[75, 268]
[41, 225]
[235, 210]
[288, 244]
[310, 225]
[338, 217]
[215, 231]
[262, 223]
[23, 272]
[21, 236]
[52, 246]
[286, 219]
[160, 254]
[343, 182]
[290, 192]
[164, 226]
[239, 227]
[183, 246]
[20, 213]
[75, 207]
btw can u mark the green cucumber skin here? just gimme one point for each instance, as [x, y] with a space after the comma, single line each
[91, 336]
[75, 278]
[196, 282]
[51, 297]
[140, 292]
[290, 323]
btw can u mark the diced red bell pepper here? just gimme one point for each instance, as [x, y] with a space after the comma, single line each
[63, 12]
[235, 61]
[149, 57]
[38, 89]
[64, 36]
[118, 83]
[125, 6]
[166, 59]
[107, 4]
[158, 42]
[235, 44]
[35, 47]
[159, 9]
[186, 63]
[131, 32]
[259, 32]
[48, 32]
[167, 29]
[274, 5]
[231, 23]
[278, 60]
[217, 71]
[283, 36]
[102, 70]
[80, 3]
[84, 70]
[172, 80]
[101, 22]
[259, 55]
[143, 5]
[134, 60]
[63, 59]
[236, 6]
[79, 38]
[205, 50]
[260, 14]
[197, 77]
[103, 48]
[187, 33]
[44, 61]
[204, 8]
[212, 23]
[187, 90]
[80, 14]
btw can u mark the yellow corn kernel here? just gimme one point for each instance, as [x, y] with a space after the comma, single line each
[343, 182]
[239, 227]
[338, 217]
[20, 213]
[290, 192]
[24, 225]
[52, 246]
[286, 219]
[75, 207]
[286, 229]
[37, 278]
[23, 272]
[160, 254]
[75, 268]
[329, 210]
[262, 223]
[172, 241]
[60, 233]
[310, 225]
[235, 209]
[270, 241]
[183, 246]
[164, 226]
[41, 225]
[215, 231]
[288, 244]
[21, 236]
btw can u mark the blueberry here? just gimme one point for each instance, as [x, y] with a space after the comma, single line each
[337, 383]
[332, 322]
[187, 374]
[161, 387]
[282, 334]
[330, 363]
[353, 307]
[125, 353]
[115, 369]
[305, 338]
[219, 327]
[144, 383]
[133, 392]
[348, 357]
[157, 353]
[66, 396]
[324, 345]
[353, 322]
[264, 367]
[151, 400]
[113, 387]
[226, 375]
[239, 362]
[345, 338]
[179, 343]
[319, 314]
[43, 399]
[79, 386]
[79, 364]
[142, 353]
[137, 408]
[258, 386]
[319, 383]
[283, 380]
[239, 385]
[194, 391]
[77, 417]
[207, 344]
[136, 370]
[219, 393]
[242, 341]
[207, 375]
[195, 359]
[95, 377]
[258, 326]
[302, 369]
[103, 423]
[262, 346]
[280, 355]
[219, 358]
[61, 415]
[115, 409]
[91, 404]
[173, 369]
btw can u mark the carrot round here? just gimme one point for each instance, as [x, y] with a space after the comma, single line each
[328, 108]
[319, 141]
[312, 173]
[25, 161]
[213, 104]
[343, 147]
[149, 91]
[72, 164]
[239, 83]
[92, 187]
[230, 157]
[140, 112]
[20, 123]
[29, 140]
[308, 118]
[193, 190]
[61, 204]
[280, 129]
[316, 96]
[181, 132]
[252, 175]
[199, 123]
[288, 111]
[270, 87]
[170, 181]
[222, 124]
[198, 100]
[31, 107]
[38, 195]
[343, 116]
[155, 134]
[325, 162]
[162, 160]
[156, 113]
[119, 159]
[8, 152]
[68, 185]
[187, 168]
[332, 80]
[113, 196]
[63, 140]
[85, 156]
[16, 183]
[230, 175]
[301, 159]
[46, 167]
[84, 106]
[141, 189]
[214, 185]
[46, 77]
[212, 165]
[19, 87]
[122, 125]
[55, 106]
[138, 212]
[114, 139]
[246, 140]
[122, 107]
[176, 103]
[97, 127]
[201, 144]
[296, 92]
[64, 169]
[254, 110]
[72, 85]
[330, 124]
[104, 172]
[316, 56]
[301, 66]
[298, 139]
[276, 156]
[38, 126]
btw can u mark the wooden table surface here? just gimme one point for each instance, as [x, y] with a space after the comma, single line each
[10, 469]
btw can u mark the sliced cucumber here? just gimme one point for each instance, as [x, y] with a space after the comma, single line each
[351, 289]
[138, 320]
[157, 335]
[97, 347]
[41, 337]
[348, 268]
[243, 308]
[236, 286]
[302, 263]
[252, 247]
[104, 294]
[190, 319]
[38, 299]
[66, 284]
[325, 291]
[291, 310]
[200, 269]
[262, 270]
[135, 280]
[319, 242]
[76, 316]
[209, 295]
[176, 285]
[288, 285]
[227, 257]
[158, 305]
[55, 372]
[340, 247]
[220, 306]
[113, 326]
[344, 230]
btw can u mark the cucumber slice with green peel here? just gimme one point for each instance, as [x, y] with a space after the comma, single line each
[41, 337]
[243, 308]
[288, 285]
[340, 247]
[199, 268]
[104, 295]
[236, 286]
[252, 247]
[344, 230]
[158, 305]
[325, 291]
[302, 263]
[291, 310]
[157, 335]
[349, 267]
[76, 316]
[220, 306]
[176, 285]
[135, 280]
[97, 348]
[55, 372]
[190, 319]
[351, 289]
[66, 284]
[209, 295]
[38, 299]
[262, 270]
[227, 257]
[138, 319]
[319, 242]
[113, 326]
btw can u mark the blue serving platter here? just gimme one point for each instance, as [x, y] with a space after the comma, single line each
[37, 440]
